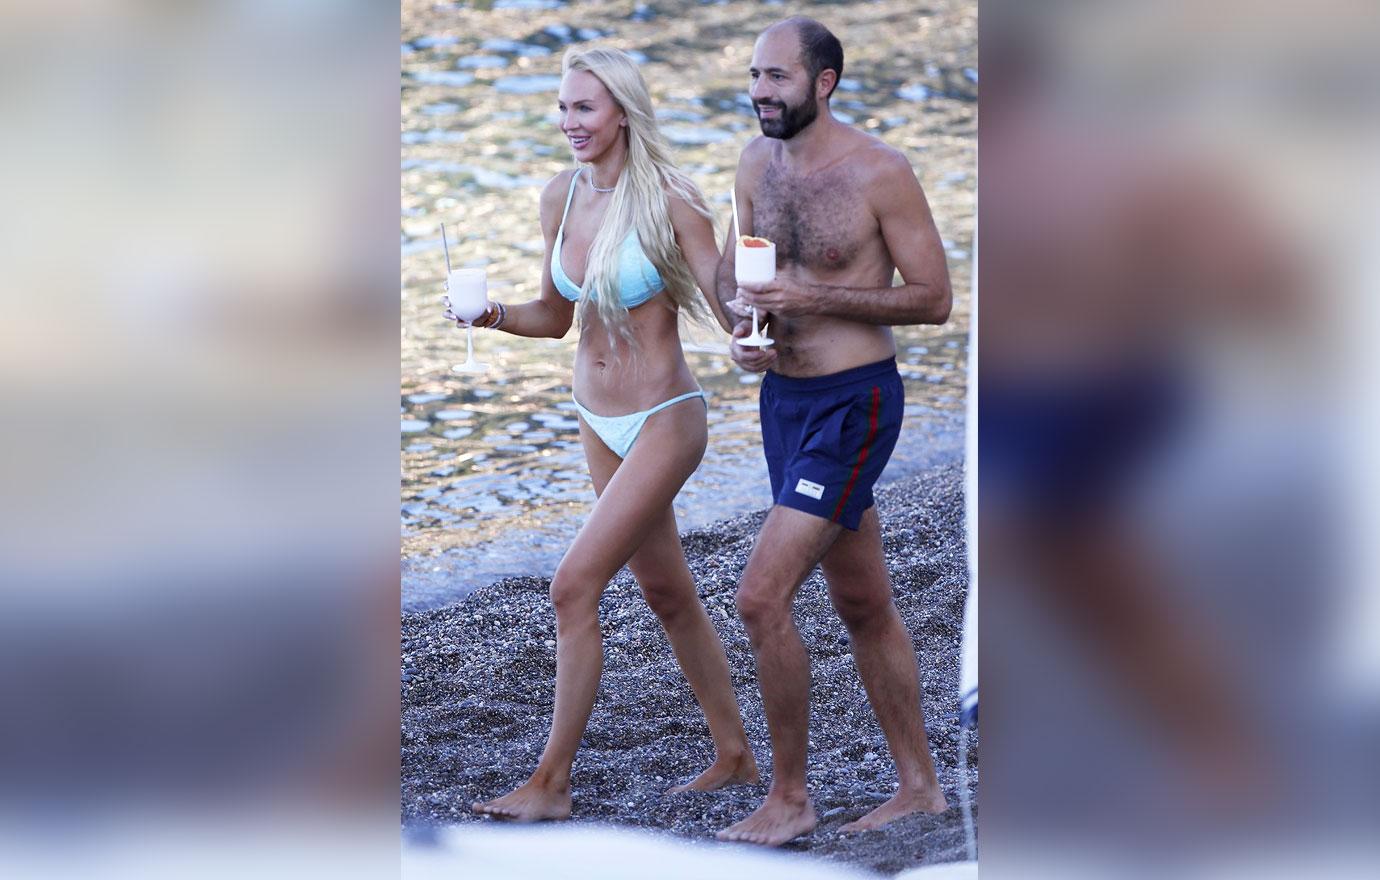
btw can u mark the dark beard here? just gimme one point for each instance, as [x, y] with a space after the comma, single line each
[791, 121]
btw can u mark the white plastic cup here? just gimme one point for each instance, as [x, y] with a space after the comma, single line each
[755, 265]
[468, 290]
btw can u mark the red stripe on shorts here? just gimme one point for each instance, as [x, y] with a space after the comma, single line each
[862, 453]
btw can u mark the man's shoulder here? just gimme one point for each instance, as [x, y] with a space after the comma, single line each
[757, 154]
[884, 172]
[880, 160]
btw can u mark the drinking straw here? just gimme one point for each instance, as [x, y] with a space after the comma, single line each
[445, 245]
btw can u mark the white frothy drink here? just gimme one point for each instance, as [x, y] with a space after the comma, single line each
[468, 290]
[755, 265]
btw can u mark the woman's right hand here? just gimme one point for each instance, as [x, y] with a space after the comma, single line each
[487, 319]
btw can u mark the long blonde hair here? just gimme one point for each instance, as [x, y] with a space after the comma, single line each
[639, 200]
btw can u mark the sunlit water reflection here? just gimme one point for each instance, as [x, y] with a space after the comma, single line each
[494, 481]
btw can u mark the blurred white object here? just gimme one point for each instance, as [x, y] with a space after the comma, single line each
[968, 668]
[587, 853]
[949, 871]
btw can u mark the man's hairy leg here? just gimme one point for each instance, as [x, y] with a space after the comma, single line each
[860, 589]
[788, 547]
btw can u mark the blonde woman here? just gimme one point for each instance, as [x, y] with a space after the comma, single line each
[629, 246]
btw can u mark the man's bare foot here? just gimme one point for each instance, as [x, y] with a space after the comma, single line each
[903, 803]
[530, 802]
[740, 769]
[774, 823]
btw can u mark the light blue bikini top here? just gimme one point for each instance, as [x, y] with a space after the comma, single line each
[638, 279]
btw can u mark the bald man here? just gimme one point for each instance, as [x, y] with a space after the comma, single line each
[846, 213]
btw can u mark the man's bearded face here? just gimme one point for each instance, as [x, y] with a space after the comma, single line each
[789, 119]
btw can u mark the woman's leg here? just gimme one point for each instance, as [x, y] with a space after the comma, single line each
[660, 568]
[630, 494]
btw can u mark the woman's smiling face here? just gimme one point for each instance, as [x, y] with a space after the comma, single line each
[590, 119]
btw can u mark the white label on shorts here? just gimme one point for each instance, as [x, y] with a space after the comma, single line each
[814, 490]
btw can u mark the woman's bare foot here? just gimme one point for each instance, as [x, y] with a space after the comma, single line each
[530, 802]
[777, 821]
[739, 769]
[903, 803]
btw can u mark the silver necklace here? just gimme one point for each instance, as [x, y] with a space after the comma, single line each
[600, 189]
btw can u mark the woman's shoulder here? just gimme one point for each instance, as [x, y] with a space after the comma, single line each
[682, 194]
[558, 186]
[553, 195]
[685, 207]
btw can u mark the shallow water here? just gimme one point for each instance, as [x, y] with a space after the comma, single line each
[493, 479]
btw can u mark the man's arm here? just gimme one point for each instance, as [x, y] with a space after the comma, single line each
[908, 230]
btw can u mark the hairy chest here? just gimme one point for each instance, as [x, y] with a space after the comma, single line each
[819, 221]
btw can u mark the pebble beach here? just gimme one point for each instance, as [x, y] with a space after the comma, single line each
[477, 680]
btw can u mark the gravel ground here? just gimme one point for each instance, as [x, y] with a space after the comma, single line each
[477, 682]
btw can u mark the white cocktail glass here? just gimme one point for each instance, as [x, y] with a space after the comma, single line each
[468, 293]
[755, 265]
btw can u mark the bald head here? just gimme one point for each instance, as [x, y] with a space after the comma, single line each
[820, 50]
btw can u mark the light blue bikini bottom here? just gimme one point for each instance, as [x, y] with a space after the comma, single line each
[619, 432]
